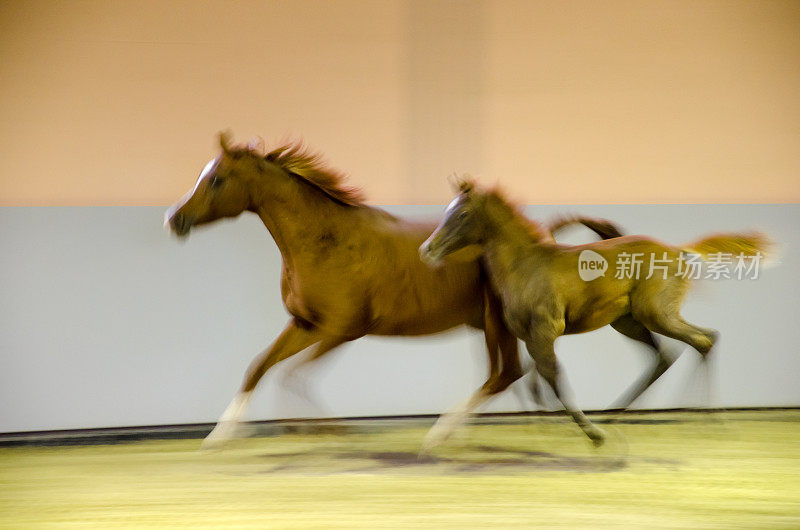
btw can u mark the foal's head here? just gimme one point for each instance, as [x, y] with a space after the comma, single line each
[223, 189]
[464, 224]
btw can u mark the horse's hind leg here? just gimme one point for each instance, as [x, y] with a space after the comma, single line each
[630, 327]
[543, 353]
[504, 370]
[294, 338]
[450, 421]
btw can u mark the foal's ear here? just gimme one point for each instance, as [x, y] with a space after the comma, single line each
[225, 140]
[257, 145]
[462, 184]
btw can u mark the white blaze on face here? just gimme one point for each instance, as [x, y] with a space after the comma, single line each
[207, 170]
[424, 248]
[453, 205]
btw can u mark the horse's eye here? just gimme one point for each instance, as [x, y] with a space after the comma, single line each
[462, 216]
[216, 181]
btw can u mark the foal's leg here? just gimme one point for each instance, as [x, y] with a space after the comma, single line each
[541, 349]
[674, 326]
[701, 339]
[630, 327]
[293, 338]
[657, 306]
[503, 348]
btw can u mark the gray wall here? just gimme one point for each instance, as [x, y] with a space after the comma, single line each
[107, 321]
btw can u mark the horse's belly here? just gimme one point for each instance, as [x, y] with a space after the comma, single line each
[415, 321]
[414, 299]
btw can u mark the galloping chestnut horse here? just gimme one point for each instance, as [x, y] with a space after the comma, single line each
[349, 270]
[544, 295]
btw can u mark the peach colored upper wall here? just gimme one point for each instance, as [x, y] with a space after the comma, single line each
[117, 102]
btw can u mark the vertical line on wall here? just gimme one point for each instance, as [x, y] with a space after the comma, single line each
[444, 115]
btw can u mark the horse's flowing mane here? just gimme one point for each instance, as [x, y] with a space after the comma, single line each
[295, 158]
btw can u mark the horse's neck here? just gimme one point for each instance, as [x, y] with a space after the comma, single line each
[509, 241]
[298, 216]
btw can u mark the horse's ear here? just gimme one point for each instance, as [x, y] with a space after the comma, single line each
[257, 144]
[462, 184]
[225, 140]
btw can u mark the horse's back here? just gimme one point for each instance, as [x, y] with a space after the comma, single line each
[371, 280]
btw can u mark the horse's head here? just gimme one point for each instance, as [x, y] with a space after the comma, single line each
[462, 225]
[223, 189]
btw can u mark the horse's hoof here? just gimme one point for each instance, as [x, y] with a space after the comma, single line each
[212, 446]
[218, 438]
[425, 457]
[214, 443]
[431, 441]
[427, 446]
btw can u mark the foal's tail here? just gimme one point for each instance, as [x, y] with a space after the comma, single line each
[602, 227]
[750, 244]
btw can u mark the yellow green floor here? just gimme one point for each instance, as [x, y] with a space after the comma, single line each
[737, 470]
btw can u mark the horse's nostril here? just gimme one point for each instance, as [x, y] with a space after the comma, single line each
[178, 222]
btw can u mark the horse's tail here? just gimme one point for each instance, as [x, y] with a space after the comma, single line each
[749, 244]
[602, 227]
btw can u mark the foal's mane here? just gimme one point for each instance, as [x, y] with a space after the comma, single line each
[505, 210]
[295, 158]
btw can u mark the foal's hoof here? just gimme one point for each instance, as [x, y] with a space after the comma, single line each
[597, 437]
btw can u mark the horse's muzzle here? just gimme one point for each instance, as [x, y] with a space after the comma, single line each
[179, 223]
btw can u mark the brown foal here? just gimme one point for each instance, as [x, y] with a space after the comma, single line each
[544, 295]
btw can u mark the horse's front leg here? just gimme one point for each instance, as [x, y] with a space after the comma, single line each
[294, 381]
[293, 339]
